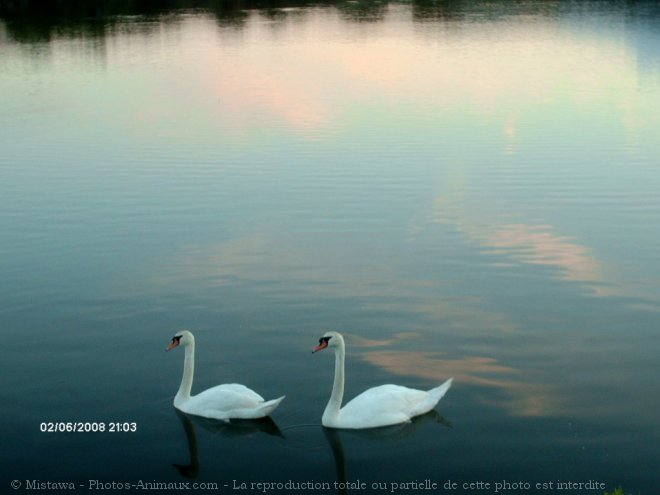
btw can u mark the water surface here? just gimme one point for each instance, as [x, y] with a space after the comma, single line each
[462, 191]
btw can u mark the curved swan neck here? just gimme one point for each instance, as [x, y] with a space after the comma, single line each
[337, 395]
[188, 372]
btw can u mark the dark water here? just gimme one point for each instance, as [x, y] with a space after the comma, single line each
[463, 189]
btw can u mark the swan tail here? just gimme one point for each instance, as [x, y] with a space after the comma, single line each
[269, 406]
[438, 393]
[432, 397]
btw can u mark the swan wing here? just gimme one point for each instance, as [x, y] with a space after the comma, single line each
[239, 389]
[223, 402]
[384, 405]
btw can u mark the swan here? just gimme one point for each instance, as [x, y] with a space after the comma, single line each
[225, 401]
[378, 406]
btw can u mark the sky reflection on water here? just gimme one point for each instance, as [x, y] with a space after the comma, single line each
[467, 193]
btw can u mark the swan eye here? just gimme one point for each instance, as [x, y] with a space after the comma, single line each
[176, 339]
[324, 340]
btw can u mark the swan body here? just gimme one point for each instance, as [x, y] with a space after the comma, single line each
[225, 401]
[378, 406]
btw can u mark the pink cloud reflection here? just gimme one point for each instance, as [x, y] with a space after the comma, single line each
[521, 396]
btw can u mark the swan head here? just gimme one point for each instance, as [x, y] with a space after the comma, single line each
[329, 339]
[184, 337]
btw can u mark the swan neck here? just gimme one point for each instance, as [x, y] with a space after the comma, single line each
[188, 372]
[337, 395]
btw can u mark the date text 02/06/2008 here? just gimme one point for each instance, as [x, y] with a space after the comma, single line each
[88, 427]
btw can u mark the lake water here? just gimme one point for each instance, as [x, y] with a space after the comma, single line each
[466, 190]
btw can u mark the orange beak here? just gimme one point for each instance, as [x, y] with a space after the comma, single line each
[173, 344]
[320, 347]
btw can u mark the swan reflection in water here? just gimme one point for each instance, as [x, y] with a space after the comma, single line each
[228, 428]
[334, 437]
[387, 433]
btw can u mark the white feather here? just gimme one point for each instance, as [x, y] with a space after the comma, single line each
[378, 406]
[225, 401]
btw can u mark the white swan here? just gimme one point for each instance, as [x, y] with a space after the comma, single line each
[220, 402]
[379, 406]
